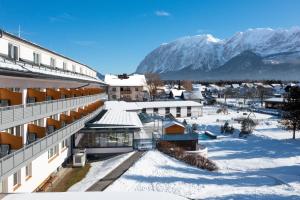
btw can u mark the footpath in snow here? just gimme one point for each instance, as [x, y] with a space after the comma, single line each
[265, 165]
[97, 171]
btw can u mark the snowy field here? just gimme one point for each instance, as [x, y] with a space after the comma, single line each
[97, 171]
[265, 165]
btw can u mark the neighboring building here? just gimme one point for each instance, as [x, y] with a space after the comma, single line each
[162, 108]
[195, 94]
[45, 98]
[274, 103]
[127, 87]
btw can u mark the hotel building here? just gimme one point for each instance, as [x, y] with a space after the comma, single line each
[45, 98]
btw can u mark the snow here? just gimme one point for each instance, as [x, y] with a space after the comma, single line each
[265, 165]
[93, 196]
[132, 80]
[206, 52]
[97, 171]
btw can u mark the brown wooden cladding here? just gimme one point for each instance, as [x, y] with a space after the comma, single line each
[38, 95]
[15, 142]
[38, 130]
[53, 94]
[65, 92]
[15, 98]
[75, 115]
[53, 122]
[66, 118]
[174, 129]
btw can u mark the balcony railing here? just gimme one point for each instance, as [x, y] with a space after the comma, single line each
[20, 158]
[20, 114]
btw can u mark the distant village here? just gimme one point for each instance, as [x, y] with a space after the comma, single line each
[149, 87]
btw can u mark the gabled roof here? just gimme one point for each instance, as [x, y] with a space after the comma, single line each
[132, 80]
[172, 123]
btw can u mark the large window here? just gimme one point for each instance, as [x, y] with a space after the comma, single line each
[155, 110]
[13, 52]
[106, 139]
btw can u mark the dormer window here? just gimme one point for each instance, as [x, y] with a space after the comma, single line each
[52, 62]
[13, 52]
[64, 65]
[36, 58]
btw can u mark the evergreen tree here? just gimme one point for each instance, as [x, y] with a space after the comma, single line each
[291, 110]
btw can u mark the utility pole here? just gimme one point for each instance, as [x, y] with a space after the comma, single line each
[19, 32]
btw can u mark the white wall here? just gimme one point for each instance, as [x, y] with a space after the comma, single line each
[26, 52]
[41, 169]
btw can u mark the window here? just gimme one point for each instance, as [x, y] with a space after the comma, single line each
[53, 152]
[36, 58]
[155, 110]
[114, 89]
[18, 130]
[64, 66]
[114, 97]
[17, 178]
[144, 110]
[189, 111]
[13, 52]
[167, 110]
[178, 112]
[52, 62]
[28, 170]
[64, 144]
[136, 89]
[73, 68]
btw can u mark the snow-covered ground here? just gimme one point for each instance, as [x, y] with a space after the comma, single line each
[265, 165]
[97, 171]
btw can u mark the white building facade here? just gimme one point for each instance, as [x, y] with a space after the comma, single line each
[45, 98]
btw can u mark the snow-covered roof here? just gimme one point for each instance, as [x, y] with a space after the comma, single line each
[132, 80]
[275, 99]
[235, 85]
[133, 106]
[176, 92]
[120, 118]
[168, 124]
[28, 68]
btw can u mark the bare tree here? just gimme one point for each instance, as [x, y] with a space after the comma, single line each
[228, 93]
[153, 82]
[187, 84]
[262, 93]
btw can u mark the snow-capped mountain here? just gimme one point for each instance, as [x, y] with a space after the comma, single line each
[206, 53]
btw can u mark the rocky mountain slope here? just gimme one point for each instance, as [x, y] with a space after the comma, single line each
[255, 53]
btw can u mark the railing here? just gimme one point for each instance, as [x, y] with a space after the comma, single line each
[20, 158]
[16, 115]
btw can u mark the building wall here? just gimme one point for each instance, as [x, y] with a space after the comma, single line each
[42, 167]
[196, 111]
[26, 53]
[132, 96]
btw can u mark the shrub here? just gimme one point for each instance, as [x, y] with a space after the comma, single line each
[179, 153]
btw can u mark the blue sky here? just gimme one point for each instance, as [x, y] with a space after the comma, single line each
[113, 36]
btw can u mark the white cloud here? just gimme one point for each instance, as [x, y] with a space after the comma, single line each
[162, 13]
[61, 18]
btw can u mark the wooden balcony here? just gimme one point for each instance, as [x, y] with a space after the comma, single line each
[75, 115]
[76, 92]
[15, 142]
[38, 130]
[65, 93]
[53, 94]
[38, 96]
[12, 98]
[66, 118]
[82, 112]
[52, 122]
